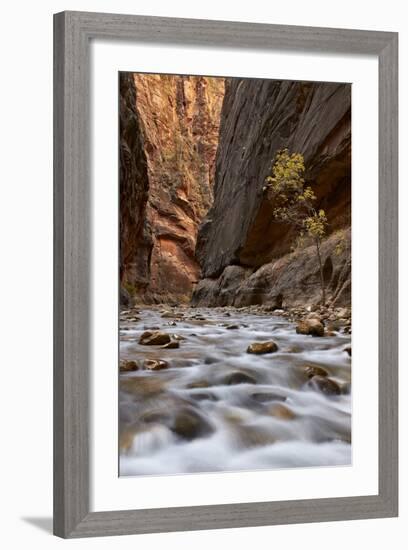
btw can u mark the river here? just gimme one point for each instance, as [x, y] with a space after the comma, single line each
[217, 407]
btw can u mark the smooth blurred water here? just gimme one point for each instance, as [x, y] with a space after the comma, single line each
[243, 432]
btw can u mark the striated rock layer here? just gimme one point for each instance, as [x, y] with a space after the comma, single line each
[177, 118]
[239, 235]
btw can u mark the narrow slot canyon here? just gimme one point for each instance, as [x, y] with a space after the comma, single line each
[235, 326]
[195, 221]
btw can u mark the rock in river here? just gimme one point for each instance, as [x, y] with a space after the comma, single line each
[312, 370]
[324, 385]
[128, 366]
[149, 338]
[310, 326]
[259, 348]
[188, 424]
[155, 364]
[173, 344]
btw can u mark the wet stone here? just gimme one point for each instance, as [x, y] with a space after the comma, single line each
[128, 366]
[312, 327]
[260, 348]
[173, 344]
[149, 338]
[155, 364]
[188, 424]
[324, 385]
[312, 370]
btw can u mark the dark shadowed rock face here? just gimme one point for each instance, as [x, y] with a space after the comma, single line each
[258, 118]
[135, 236]
[291, 280]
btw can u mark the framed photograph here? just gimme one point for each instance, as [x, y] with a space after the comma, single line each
[225, 282]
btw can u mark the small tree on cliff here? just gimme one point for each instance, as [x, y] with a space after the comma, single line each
[294, 202]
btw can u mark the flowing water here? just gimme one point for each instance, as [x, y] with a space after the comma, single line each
[219, 408]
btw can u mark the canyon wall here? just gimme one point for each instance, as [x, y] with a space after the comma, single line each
[169, 164]
[134, 230]
[244, 255]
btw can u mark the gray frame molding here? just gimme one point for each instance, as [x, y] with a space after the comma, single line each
[72, 33]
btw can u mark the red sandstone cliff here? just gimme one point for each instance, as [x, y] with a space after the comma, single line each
[178, 118]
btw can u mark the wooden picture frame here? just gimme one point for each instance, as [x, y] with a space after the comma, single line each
[72, 34]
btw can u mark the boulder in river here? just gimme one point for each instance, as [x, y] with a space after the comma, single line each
[128, 366]
[313, 370]
[324, 385]
[188, 424]
[155, 364]
[173, 344]
[259, 348]
[314, 315]
[149, 338]
[348, 350]
[314, 327]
